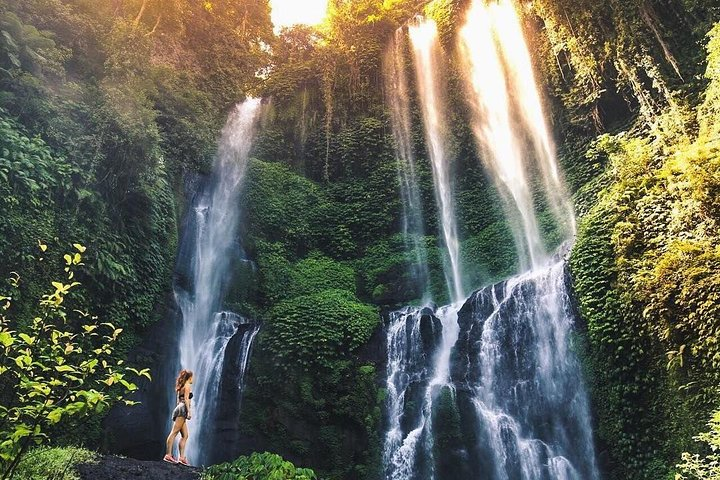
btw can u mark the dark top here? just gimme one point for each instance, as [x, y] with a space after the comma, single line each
[181, 396]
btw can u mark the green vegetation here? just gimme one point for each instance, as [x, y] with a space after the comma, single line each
[258, 466]
[45, 463]
[695, 467]
[109, 110]
[647, 273]
[59, 366]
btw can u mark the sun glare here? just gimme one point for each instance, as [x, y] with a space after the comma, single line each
[291, 12]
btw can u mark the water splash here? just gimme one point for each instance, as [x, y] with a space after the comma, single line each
[515, 366]
[428, 65]
[420, 341]
[397, 97]
[214, 249]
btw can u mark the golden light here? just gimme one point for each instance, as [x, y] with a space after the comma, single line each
[292, 12]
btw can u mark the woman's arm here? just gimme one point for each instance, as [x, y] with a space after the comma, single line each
[186, 399]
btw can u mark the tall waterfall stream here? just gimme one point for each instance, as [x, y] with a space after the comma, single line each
[488, 387]
[210, 242]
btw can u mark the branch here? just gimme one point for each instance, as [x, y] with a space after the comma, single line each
[140, 13]
[154, 27]
[648, 16]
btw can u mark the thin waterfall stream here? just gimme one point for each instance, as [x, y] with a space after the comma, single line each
[420, 340]
[210, 242]
[398, 98]
[431, 88]
[501, 362]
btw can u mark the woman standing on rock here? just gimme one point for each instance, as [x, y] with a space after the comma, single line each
[180, 416]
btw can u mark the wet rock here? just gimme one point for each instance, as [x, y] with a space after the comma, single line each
[430, 332]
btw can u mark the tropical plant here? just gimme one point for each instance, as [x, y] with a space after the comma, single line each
[258, 466]
[55, 366]
[708, 467]
[57, 463]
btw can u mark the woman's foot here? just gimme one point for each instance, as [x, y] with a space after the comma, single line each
[183, 461]
[169, 459]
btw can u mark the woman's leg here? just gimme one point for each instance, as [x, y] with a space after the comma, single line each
[183, 441]
[177, 427]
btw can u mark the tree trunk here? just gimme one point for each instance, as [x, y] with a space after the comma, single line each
[648, 16]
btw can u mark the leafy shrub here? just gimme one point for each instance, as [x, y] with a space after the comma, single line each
[59, 366]
[317, 273]
[44, 463]
[258, 466]
[313, 331]
[695, 467]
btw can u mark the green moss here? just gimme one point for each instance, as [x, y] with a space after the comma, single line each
[311, 331]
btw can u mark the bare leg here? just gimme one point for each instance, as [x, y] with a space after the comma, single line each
[183, 441]
[177, 427]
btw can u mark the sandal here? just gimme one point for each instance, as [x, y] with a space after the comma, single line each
[184, 461]
[169, 459]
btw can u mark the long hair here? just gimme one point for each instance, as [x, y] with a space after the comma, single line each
[182, 379]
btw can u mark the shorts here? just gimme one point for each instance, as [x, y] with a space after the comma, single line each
[180, 411]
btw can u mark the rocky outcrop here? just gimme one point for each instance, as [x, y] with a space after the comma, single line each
[120, 468]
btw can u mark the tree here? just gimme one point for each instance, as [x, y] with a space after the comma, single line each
[59, 365]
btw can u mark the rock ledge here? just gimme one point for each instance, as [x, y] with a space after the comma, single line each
[121, 468]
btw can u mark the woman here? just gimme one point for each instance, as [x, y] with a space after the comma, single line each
[180, 416]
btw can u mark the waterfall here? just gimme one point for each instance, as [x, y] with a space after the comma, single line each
[212, 249]
[397, 97]
[521, 383]
[514, 365]
[500, 79]
[420, 342]
[499, 367]
[428, 65]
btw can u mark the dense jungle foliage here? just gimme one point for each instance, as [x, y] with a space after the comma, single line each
[108, 108]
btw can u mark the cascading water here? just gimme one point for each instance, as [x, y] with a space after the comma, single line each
[427, 55]
[420, 340]
[213, 249]
[502, 366]
[519, 384]
[397, 97]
